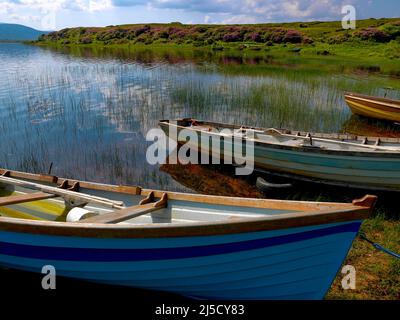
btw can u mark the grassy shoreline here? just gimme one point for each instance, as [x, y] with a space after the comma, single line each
[341, 58]
[377, 273]
[374, 47]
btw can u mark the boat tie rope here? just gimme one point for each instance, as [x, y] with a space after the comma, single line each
[378, 246]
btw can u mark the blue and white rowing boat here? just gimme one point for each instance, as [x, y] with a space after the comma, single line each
[369, 163]
[194, 245]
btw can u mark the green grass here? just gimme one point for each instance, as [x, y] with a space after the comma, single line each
[363, 59]
[377, 274]
[318, 48]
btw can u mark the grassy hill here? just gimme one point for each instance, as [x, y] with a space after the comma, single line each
[17, 32]
[374, 47]
[379, 30]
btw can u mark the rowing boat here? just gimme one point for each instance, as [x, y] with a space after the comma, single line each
[374, 107]
[368, 163]
[200, 246]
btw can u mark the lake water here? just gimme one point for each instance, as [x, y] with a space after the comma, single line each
[88, 112]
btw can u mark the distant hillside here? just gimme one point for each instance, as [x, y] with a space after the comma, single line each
[17, 32]
[377, 30]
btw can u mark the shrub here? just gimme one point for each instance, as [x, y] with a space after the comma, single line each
[142, 30]
[194, 36]
[177, 33]
[86, 40]
[63, 32]
[232, 37]
[112, 34]
[209, 41]
[308, 40]
[372, 34]
[198, 43]
[392, 29]
[339, 39]
[200, 29]
[293, 36]
[254, 36]
[142, 38]
[163, 34]
[53, 36]
[277, 35]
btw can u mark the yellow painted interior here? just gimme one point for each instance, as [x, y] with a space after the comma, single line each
[26, 210]
[373, 112]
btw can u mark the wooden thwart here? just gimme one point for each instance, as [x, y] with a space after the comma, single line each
[65, 193]
[7, 201]
[128, 213]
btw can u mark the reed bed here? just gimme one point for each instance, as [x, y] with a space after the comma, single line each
[89, 114]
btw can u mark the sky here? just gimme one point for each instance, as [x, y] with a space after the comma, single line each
[58, 14]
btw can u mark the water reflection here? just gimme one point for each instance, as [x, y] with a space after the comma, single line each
[212, 179]
[88, 111]
[371, 127]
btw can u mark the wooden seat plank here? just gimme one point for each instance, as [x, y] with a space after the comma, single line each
[9, 200]
[128, 213]
[123, 214]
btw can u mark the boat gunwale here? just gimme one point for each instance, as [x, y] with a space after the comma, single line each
[390, 103]
[308, 214]
[258, 142]
[209, 199]
[241, 225]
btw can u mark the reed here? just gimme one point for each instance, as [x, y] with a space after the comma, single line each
[88, 113]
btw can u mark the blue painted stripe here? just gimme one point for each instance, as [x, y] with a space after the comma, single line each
[96, 254]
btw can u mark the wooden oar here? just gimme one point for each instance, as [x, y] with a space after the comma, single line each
[277, 132]
[63, 192]
[29, 197]
[128, 213]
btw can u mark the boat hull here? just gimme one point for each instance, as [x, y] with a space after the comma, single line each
[294, 263]
[364, 170]
[373, 108]
[375, 173]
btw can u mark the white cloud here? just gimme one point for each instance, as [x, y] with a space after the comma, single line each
[104, 12]
[99, 5]
[239, 19]
[46, 5]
